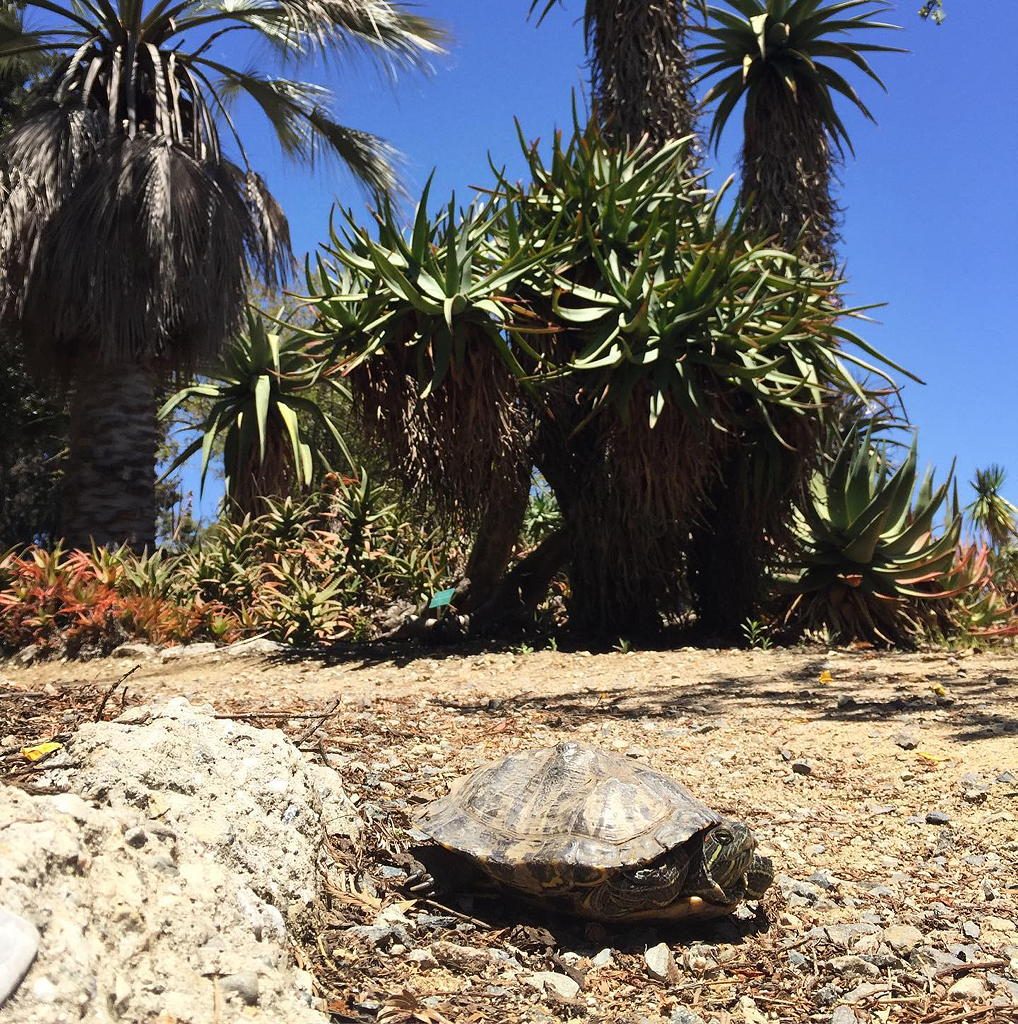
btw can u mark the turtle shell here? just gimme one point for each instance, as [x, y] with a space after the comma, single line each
[564, 816]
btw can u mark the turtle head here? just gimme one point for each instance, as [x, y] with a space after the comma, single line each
[728, 859]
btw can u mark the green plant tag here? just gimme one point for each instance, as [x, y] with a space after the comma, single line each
[442, 598]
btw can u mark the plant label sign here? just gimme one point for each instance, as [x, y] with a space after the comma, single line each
[443, 598]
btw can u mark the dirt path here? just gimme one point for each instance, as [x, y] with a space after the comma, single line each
[884, 786]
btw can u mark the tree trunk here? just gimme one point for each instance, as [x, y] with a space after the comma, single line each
[640, 70]
[497, 536]
[109, 492]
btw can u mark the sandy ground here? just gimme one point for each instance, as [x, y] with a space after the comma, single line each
[885, 787]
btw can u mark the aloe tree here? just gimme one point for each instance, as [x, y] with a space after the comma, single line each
[778, 56]
[993, 517]
[639, 68]
[131, 223]
[605, 323]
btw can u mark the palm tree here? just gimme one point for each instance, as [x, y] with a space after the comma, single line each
[128, 236]
[775, 54]
[639, 68]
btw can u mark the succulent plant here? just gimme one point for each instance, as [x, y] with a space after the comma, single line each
[870, 564]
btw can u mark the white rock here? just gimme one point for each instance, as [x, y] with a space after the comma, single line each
[750, 1011]
[187, 651]
[135, 651]
[424, 959]
[602, 959]
[550, 981]
[967, 988]
[19, 942]
[140, 916]
[903, 938]
[661, 963]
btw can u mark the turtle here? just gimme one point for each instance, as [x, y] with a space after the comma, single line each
[599, 836]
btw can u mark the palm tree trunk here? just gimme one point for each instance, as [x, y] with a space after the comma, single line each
[640, 69]
[109, 489]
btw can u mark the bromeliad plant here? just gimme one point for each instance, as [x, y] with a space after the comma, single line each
[256, 400]
[325, 568]
[604, 323]
[871, 564]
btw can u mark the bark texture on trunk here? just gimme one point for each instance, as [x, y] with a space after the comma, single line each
[640, 70]
[787, 170]
[497, 535]
[109, 488]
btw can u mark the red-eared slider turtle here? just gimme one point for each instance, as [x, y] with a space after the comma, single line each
[598, 835]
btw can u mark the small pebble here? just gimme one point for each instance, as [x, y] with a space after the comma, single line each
[661, 963]
[967, 988]
[550, 981]
[244, 985]
[844, 1015]
[937, 818]
[902, 938]
[680, 1015]
[424, 959]
[802, 767]
[602, 959]
[971, 930]
[906, 740]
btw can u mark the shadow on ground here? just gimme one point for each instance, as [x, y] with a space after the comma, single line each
[978, 709]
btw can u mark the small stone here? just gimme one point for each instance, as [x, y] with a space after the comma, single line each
[680, 1015]
[467, 959]
[138, 715]
[786, 755]
[750, 1011]
[28, 655]
[853, 967]
[974, 795]
[844, 1015]
[796, 959]
[256, 647]
[424, 959]
[19, 942]
[802, 767]
[937, 818]
[187, 651]
[902, 938]
[905, 739]
[967, 988]
[136, 837]
[1007, 778]
[551, 982]
[999, 924]
[243, 985]
[661, 963]
[602, 959]
[823, 879]
[136, 651]
[971, 930]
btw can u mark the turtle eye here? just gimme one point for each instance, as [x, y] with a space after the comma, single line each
[722, 835]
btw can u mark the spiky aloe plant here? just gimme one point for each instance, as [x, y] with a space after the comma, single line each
[604, 322]
[257, 398]
[870, 563]
[991, 514]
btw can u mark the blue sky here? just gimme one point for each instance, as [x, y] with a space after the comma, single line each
[931, 210]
